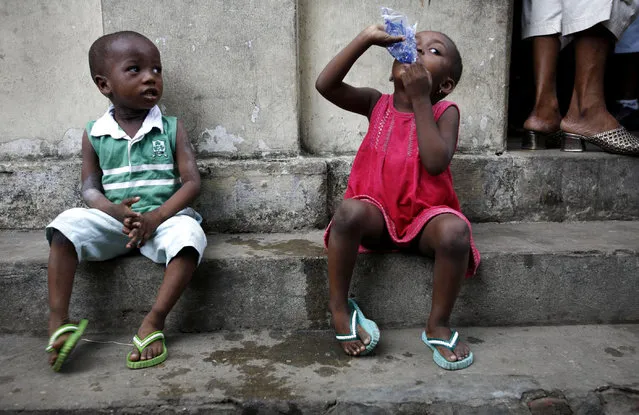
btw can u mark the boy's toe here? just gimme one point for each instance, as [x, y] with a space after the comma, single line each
[135, 355]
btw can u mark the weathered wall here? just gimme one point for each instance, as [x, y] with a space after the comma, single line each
[230, 69]
[481, 30]
[45, 86]
[239, 73]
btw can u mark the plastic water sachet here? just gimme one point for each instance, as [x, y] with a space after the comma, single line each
[396, 24]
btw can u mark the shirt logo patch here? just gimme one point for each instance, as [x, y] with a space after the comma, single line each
[159, 149]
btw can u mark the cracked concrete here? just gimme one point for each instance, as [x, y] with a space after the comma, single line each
[517, 370]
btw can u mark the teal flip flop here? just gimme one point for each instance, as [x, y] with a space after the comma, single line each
[369, 326]
[141, 345]
[69, 344]
[450, 345]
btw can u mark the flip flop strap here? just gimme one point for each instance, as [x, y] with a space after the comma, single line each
[141, 344]
[59, 332]
[353, 334]
[450, 344]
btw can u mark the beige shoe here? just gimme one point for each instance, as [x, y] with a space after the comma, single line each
[617, 141]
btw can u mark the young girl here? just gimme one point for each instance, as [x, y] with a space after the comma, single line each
[400, 192]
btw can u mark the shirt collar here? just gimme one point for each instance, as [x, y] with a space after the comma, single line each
[106, 125]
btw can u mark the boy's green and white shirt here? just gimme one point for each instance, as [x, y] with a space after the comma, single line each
[142, 166]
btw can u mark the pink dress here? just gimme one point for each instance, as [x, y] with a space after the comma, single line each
[387, 172]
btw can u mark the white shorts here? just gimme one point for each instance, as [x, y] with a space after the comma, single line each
[98, 236]
[565, 17]
[629, 42]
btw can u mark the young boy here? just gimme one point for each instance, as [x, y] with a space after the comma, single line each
[138, 178]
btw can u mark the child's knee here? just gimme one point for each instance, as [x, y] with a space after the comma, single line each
[349, 216]
[58, 239]
[455, 237]
[189, 253]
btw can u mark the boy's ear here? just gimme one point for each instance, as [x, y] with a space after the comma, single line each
[103, 84]
[447, 85]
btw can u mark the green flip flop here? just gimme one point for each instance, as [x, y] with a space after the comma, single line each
[141, 345]
[369, 326]
[450, 344]
[76, 331]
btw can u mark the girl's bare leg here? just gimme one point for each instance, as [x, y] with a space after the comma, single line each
[354, 223]
[447, 238]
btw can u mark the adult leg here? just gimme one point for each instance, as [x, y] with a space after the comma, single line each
[176, 277]
[545, 116]
[355, 222]
[447, 238]
[63, 261]
[587, 114]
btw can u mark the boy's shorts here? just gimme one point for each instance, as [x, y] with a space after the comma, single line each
[98, 236]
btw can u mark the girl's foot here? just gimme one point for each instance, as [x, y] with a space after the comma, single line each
[149, 325]
[543, 120]
[461, 350]
[55, 322]
[342, 325]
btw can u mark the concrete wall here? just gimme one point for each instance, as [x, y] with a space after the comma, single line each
[481, 30]
[230, 69]
[239, 73]
[45, 86]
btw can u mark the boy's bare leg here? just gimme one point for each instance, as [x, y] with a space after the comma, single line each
[354, 223]
[63, 261]
[176, 277]
[447, 237]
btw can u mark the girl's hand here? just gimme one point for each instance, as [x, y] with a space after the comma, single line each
[417, 81]
[376, 35]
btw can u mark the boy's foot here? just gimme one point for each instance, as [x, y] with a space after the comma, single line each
[342, 325]
[149, 325]
[54, 323]
[461, 351]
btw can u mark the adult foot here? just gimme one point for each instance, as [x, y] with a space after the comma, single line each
[460, 352]
[55, 322]
[588, 122]
[543, 120]
[149, 325]
[342, 325]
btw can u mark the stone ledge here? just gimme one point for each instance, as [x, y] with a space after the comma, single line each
[531, 273]
[546, 185]
[236, 196]
[302, 193]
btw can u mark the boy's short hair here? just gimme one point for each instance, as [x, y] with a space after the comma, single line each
[100, 49]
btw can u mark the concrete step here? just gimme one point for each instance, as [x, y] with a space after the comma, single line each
[538, 370]
[236, 196]
[302, 193]
[531, 273]
[545, 186]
